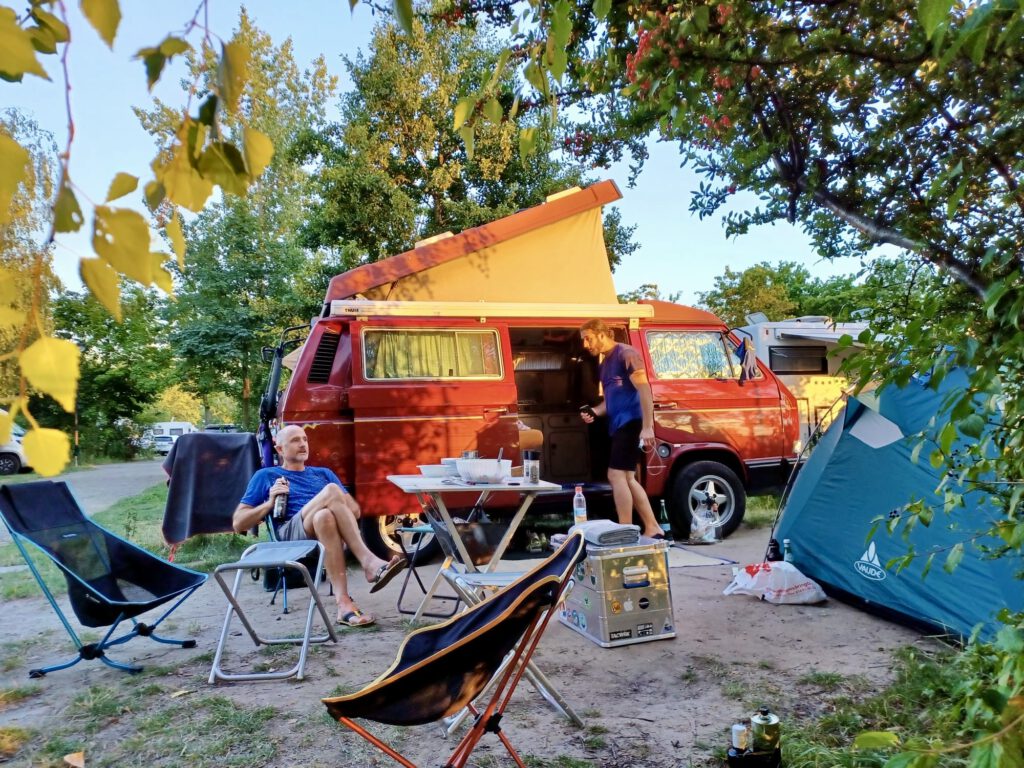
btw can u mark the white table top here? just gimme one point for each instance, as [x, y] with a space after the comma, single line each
[424, 484]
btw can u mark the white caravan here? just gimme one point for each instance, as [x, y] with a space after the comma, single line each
[801, 352]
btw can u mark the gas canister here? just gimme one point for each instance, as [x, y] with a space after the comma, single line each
[765, 730]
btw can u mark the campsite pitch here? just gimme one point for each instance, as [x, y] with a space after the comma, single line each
[661, 704]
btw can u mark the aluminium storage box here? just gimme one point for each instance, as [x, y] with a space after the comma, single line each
[621, 595]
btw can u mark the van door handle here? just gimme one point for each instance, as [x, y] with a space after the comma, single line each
[495, 410]
[663, 406]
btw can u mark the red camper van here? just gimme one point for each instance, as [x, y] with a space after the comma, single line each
[401, 370]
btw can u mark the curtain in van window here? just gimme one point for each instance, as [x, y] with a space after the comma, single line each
[689, 355]
[431, 354]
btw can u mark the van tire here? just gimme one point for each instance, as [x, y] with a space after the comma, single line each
[10, 464]
[689, 491]
[381, 537]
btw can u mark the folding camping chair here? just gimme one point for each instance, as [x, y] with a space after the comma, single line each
[472, 586]
[442, 669]
[109, 580]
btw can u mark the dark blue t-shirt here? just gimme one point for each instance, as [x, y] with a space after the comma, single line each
[303, 485]
[620, 396]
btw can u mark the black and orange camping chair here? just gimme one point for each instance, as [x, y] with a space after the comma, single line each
[442, 669]
[109, 579]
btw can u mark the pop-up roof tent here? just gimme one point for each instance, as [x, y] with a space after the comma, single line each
[862, 469]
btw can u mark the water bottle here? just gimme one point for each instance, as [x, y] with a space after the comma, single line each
[579, 506]
[787, 551]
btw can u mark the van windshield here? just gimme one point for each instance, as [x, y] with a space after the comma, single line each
[431, 354]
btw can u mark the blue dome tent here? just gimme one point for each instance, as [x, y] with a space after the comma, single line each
[862, 469]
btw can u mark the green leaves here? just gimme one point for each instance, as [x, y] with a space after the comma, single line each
[13, 170]
[876, 740]
[105, 17]
[932, 13]
[156, 58]
[527, 141]
[122, 184]
[17, 52]
[403, 14]
[601, 8]
[234, 73]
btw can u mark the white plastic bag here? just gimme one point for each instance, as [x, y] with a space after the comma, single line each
[776, 582]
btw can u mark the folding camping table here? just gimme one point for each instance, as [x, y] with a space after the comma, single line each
[469, 579]
[436, 488]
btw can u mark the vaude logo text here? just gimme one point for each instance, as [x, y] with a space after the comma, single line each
[868, 566]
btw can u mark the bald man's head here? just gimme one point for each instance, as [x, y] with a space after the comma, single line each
[293, 446]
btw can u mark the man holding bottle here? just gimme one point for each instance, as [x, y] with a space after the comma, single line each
[317, 507]
[629, 406]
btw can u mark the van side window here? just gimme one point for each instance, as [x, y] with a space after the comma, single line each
[431, 354]
[691, 355]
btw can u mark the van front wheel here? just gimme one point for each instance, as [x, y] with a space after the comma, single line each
[381, 536]
[707, 487]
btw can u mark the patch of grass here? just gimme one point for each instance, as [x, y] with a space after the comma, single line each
[734, 690]
[561, 761]
[11, 740]
[689, 675]
[12, 654]
[761, 511]
[826, 681]
[11, 696]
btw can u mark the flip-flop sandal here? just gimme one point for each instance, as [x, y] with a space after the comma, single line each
[356, 618]
[386, 573]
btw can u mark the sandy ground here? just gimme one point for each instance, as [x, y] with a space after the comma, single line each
[663, 703]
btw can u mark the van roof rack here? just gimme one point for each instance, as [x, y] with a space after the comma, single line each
[356, 308]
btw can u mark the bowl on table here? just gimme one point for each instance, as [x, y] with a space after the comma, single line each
[435, 470]
[484, 470]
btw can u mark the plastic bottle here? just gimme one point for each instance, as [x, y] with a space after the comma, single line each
[579, 506]
[787, 551]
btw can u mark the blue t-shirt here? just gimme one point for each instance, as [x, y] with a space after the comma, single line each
[303, 485]
[620, 396]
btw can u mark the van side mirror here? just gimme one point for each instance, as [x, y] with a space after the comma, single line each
[267, 354]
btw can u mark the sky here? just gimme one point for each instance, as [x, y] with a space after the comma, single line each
[678, 252]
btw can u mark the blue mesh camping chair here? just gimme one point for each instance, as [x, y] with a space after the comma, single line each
[109, 580]
[443, 668]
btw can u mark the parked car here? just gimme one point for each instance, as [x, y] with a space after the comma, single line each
[12, 457]
[162, 444]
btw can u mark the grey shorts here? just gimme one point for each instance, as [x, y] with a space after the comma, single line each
[292, 530]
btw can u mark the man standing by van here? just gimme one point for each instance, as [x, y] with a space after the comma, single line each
[629, 405]
[318, 508]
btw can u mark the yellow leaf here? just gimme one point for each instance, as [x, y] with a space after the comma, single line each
[122, 184]
[234, 73]
[105, 16]
[17, 56]
[67, 216]
[10, 288]
[154, 193]
[51, 366]
[161, 277]
[13, 167]
[102, 282]
[121, 237]
[182, 183]
[173, 230]
[6, 420]
[11, 318]
[47, 450]
[463, 109]
[259, 150]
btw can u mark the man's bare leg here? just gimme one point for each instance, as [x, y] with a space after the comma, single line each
[336, 502]
[627, 494]
[326, 532]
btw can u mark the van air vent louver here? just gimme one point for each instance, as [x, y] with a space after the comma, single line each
[320, 368]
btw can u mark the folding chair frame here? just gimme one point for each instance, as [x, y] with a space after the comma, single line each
[275, 554]
[510, 670]
[419, 531]
[489, 719]
[91, 651]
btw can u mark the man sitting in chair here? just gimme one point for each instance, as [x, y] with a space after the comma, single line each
[318, 508]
